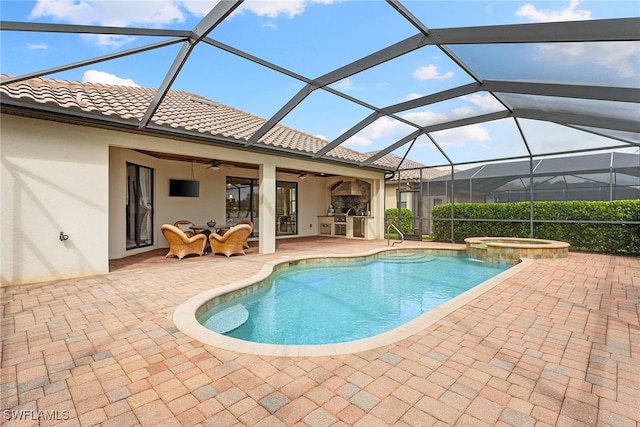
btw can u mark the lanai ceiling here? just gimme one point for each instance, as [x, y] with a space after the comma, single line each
[524, 94]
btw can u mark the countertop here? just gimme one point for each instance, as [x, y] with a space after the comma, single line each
[350, 216]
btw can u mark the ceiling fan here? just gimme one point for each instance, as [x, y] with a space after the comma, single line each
[215, 165]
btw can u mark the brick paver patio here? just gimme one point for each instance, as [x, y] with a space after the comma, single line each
[556, 344]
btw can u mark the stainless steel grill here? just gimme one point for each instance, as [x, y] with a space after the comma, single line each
[340, 218]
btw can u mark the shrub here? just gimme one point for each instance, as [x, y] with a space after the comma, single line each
[406, 220]
[578, 231]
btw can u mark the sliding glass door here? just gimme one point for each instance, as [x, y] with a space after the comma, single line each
[139, 206]
[286, 208]
[242, 202]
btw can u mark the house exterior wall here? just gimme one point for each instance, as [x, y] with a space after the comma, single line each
[67, 178]
[53, 181]
[391, 194]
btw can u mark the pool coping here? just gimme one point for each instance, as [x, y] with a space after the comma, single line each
[517, 242]
[184, 317]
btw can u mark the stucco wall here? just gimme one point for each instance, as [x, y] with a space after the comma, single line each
[67, 178]
[54, 179]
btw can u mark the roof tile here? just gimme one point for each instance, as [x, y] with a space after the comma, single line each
[178, 110]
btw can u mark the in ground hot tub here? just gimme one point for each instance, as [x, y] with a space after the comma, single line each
[511, 249]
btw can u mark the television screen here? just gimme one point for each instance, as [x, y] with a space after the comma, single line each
[183, 188]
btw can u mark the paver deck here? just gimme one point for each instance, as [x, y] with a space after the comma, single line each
[558, 343]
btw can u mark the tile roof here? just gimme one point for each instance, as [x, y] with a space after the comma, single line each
[410, 167]
[179, 110]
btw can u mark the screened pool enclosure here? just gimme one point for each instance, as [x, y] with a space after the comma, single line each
[593, 177]
[512, 107]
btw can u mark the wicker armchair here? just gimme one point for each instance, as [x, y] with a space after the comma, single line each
[232, 243]
[248, 222]
[188, 223]
[180, 244]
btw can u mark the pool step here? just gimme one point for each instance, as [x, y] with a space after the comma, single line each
[406, 257]
[228, 319]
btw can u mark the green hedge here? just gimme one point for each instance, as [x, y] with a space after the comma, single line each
[604, 238]
[391, 217]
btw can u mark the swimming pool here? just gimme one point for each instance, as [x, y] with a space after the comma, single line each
[329, 302]
[186, 315]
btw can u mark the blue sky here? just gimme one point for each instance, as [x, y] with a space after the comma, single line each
[312, 38]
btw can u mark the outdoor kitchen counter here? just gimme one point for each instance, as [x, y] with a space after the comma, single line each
[330, 218]
[355, 226]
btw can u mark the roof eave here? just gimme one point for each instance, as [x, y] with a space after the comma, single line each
[29, 108]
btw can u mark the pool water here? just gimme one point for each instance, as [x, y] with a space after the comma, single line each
[329, 302]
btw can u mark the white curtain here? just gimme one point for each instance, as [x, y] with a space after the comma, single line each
[146, 207]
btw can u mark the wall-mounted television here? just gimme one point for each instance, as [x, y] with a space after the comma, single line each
[184, 188]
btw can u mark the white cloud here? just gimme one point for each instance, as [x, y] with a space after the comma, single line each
[389, 130]
[270, 24]
[106, 40]
[485, 102]
[37, 46]
[384, 128]
[345, 85]
[198, 8]
[570, 13]
[462, 135]
[413, 96]
[358, 141]
[112, 13]
[272, 9]
[322, 137]
[145, 13]
[95, 76]
[430, 72]
[463, 112]
[150, 13]
[425, 118]
[619, 56]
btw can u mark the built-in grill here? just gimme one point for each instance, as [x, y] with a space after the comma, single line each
[340, 218]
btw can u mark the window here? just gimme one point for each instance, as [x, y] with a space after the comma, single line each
[402, 199]
[139, 206]
[286, 208]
